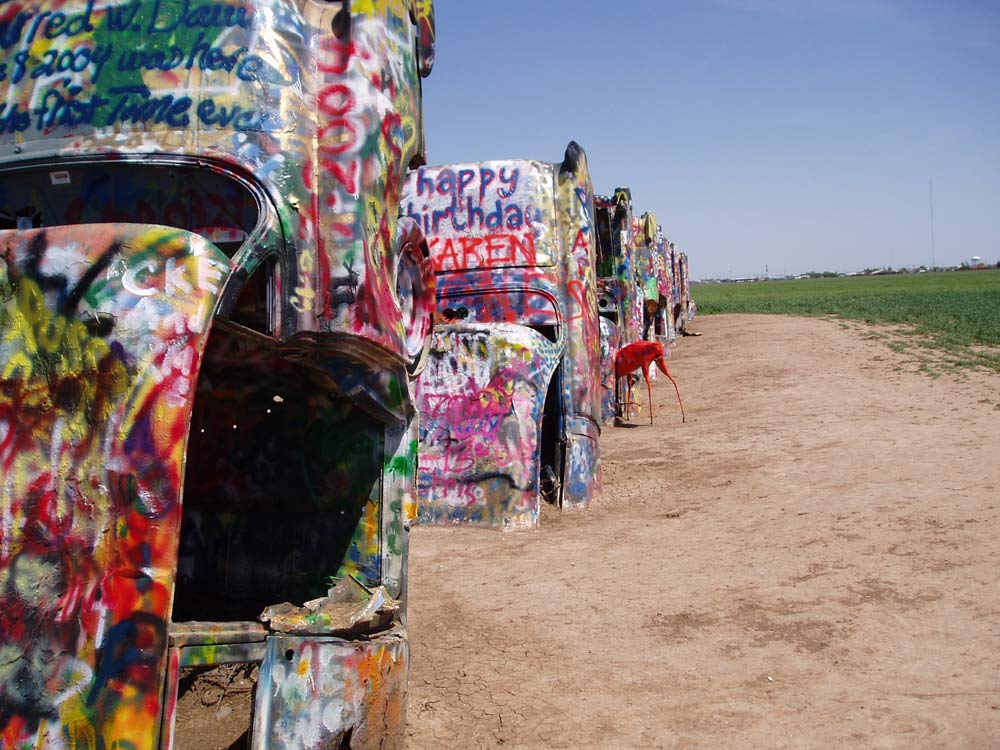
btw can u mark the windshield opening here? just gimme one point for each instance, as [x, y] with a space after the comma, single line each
[605, 244]
[199, 200]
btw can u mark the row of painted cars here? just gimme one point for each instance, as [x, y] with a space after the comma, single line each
[539, 284]
[228, 288]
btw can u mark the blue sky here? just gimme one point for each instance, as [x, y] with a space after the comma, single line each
[793, 134]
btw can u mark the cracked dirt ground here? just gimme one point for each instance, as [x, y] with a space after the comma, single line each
[810, 562]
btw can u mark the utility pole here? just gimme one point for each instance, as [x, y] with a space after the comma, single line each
[933, 262]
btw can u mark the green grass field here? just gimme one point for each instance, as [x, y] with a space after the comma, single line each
[956, 315]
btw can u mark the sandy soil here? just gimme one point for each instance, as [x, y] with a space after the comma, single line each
[810, 562]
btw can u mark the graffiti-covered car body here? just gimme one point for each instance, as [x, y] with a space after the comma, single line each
[645, 266]
[510, 398]
[684, 308]
[210, 315]
[611, 341]
[653, 270]
[619, 295]
[664, 323]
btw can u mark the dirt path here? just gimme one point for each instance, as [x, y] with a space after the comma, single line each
[810, 562]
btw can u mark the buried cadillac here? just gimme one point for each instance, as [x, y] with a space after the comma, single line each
[510, 400]
[210, 320]
[618, 294]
